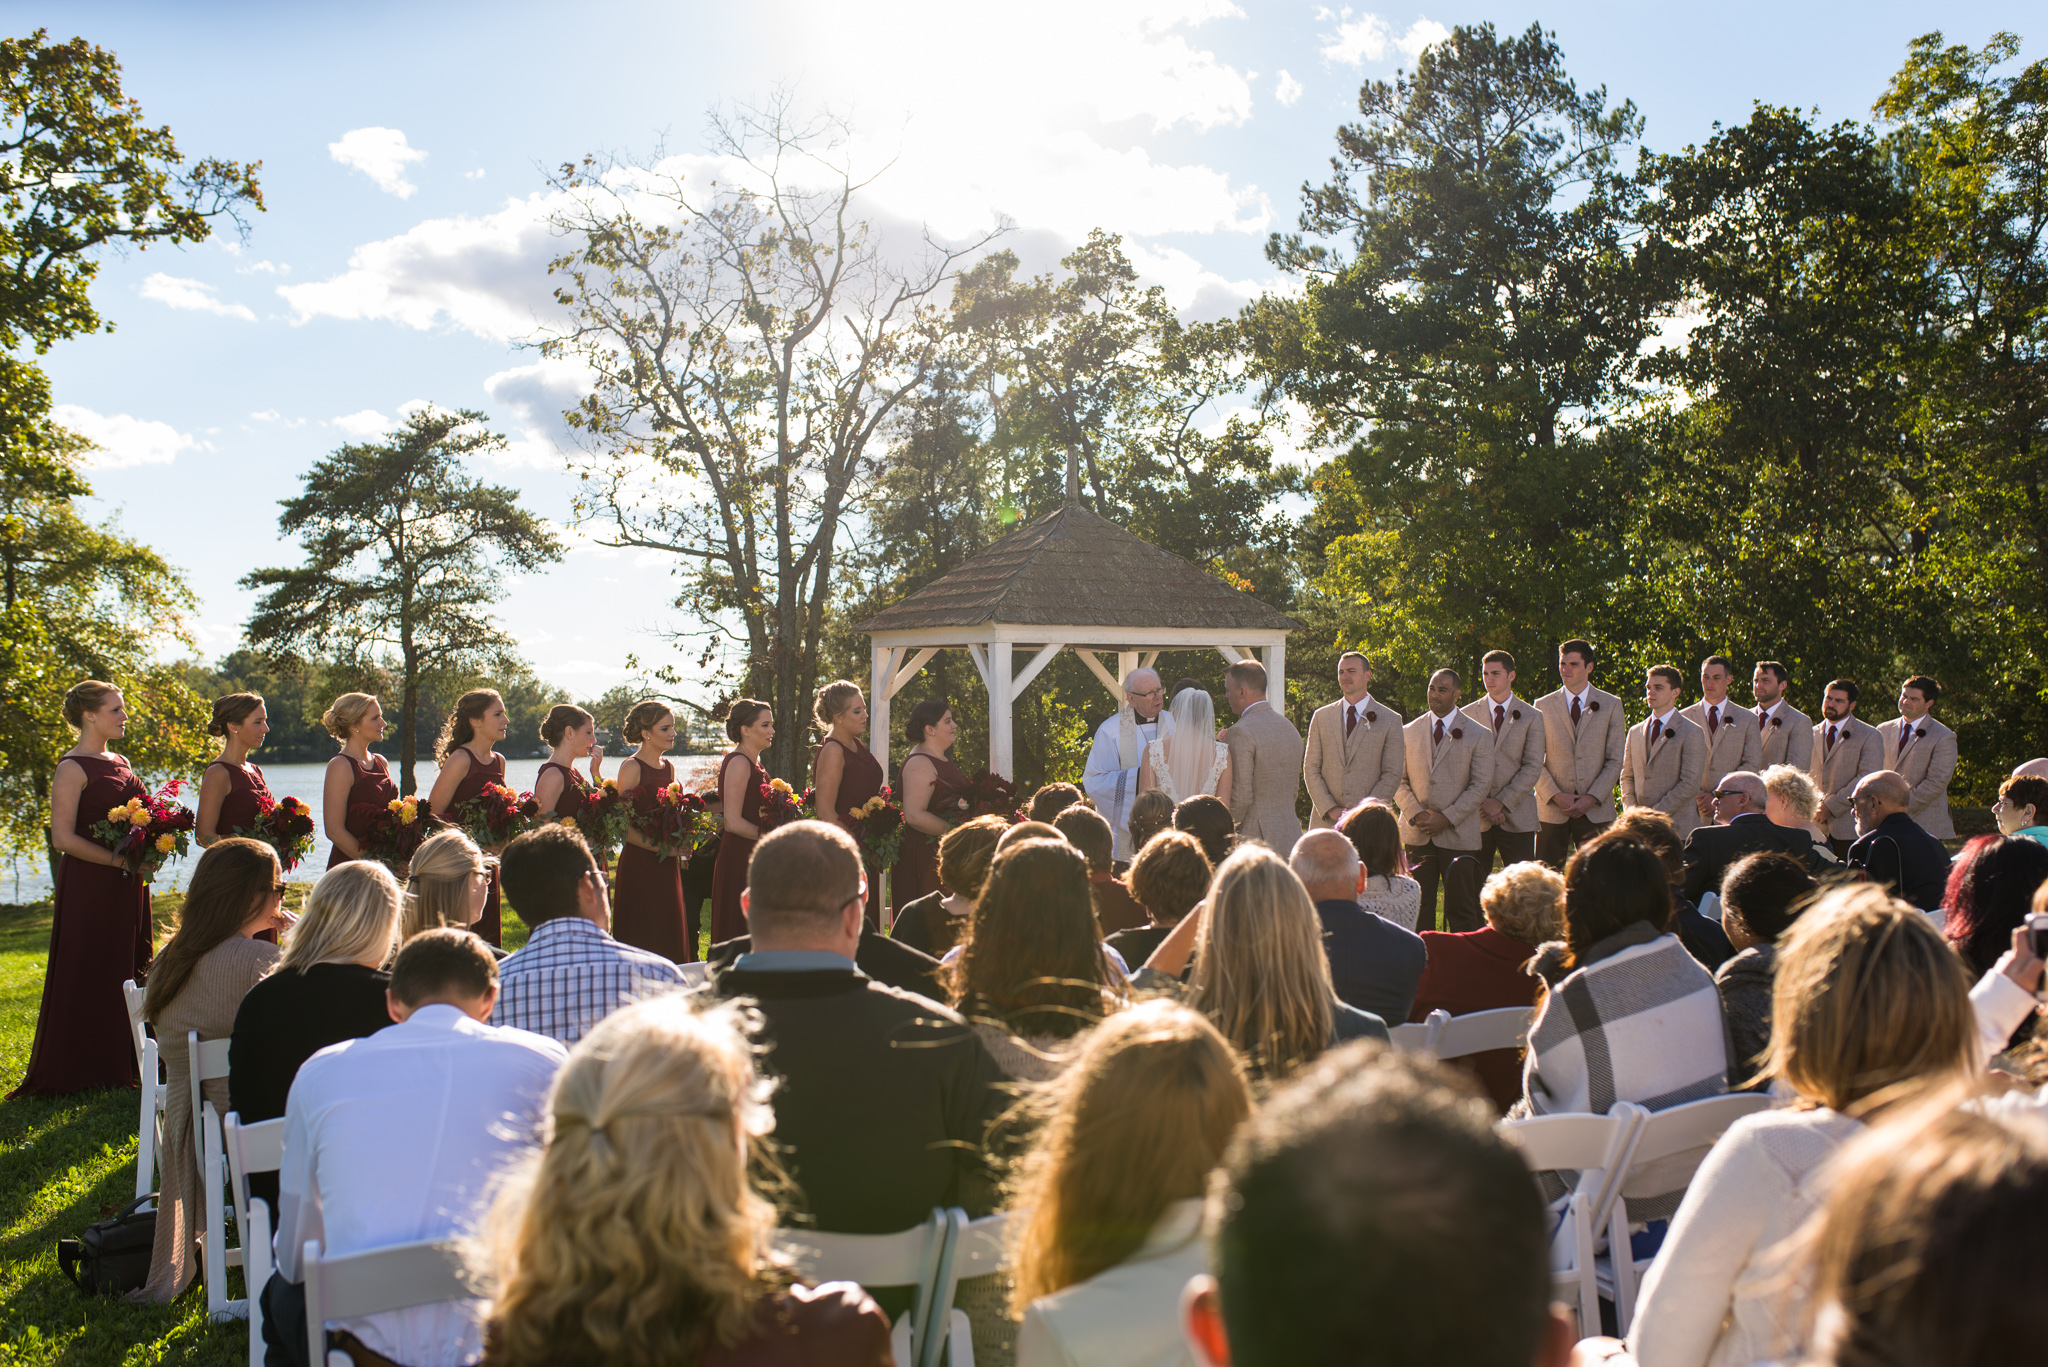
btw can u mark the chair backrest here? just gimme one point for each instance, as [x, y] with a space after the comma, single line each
[695, 974]
[256, 1147]
[132, 993]
[1479, 1031]
[208, 1059]
[1419, 1037]
[378, 1280]
[1568, 1143]
[909, 1257]
[1673, 1142]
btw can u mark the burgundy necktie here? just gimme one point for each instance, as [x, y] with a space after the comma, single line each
[1905, 738]
[1656, 729]
[1831, 740]
[1763, 716]
[1439, 731]
[1575, 711]
[1500, 714]
[1350, 720]
[1713, 719]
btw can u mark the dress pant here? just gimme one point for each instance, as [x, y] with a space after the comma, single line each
[1459, 872]
[1555, 839]
[1513, 847]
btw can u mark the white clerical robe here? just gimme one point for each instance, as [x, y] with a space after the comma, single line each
[1111, 778]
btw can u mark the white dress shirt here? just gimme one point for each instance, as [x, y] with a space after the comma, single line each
[395, 1137]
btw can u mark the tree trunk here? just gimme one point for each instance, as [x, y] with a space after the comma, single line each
[409, 725]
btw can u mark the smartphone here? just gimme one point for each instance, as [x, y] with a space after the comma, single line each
[2037, 934]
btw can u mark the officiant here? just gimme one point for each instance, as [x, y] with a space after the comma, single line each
[1111, 778]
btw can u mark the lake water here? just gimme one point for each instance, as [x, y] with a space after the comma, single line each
[28, 880]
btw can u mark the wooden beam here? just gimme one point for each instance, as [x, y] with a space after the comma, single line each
[1031, 670]
[1001, 759]
[1229, 653]
[980, 657]
[1094, 663]
[904, 675]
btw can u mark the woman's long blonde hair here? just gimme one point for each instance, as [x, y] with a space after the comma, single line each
[350, 914]
[1260, 972]
[437, 883]
[634, 1237]
[1133, 1125]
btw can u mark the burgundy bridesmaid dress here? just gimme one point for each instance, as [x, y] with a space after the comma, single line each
[859, 780]
[371, 787]
[488, 927]
[100, 936]
[917, 866]
[247, 795]
[647, 895]
[729, 877]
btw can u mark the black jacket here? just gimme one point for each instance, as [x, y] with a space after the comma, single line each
[881, 958]
[1374, 964]
[1902, 856]
[1709, 850]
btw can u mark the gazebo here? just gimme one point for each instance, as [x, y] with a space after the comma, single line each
[1069, 581]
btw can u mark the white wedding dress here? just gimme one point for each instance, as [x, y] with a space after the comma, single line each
[1162, 773]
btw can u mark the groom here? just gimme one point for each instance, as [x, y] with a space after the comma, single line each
[1111, 778]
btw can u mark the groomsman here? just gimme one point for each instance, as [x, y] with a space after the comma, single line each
[1923, 752]
[1507, 814]
[1448, 773]
[1844, 750]
[1786, 733]
[1734, 741]
[1665, 754]
[1583, 729]
[1265, 755]
[1354, 746]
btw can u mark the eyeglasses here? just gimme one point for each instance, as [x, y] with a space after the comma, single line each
[1148, 693]
[1728, 792]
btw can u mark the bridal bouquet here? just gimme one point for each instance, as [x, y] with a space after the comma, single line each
[495, 815]
[393, 831]
[286, 825]
[671, 818]
[148, 831]
[878, 825]
[984, 794]
[604, 818]
[781, 804]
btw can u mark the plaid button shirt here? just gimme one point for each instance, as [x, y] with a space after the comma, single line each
[571, 975]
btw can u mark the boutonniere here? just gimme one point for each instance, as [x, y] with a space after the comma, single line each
[1371, 717]
[1457, 733]
[1593, 705]
[1777, 721]
[1515, 715]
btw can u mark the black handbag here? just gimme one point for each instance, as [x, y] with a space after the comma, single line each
[112, 1256]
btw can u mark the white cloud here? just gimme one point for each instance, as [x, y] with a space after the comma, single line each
[1369, 38]
[264, 268]
[477, 174]
[265, 415]
[1287, 90]
[123, 440]
[366, 423]
[194, 295]
[382, 154]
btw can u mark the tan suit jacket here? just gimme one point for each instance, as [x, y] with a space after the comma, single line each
[1788, 739]
[1859, 750]
[1265, 768]
[1734, 745]
[1517, 760]
[1449, 777]
[1666, 775]
[1344, 771]
[1929, 764]
[1585, 759]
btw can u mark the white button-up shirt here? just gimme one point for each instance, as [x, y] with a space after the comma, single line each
[395, 1137]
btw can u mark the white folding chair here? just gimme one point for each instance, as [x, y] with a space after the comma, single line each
[252, 1148]
[149, 1123]
[695, 974]
[1598, 1148]
[1669, 1147]
[1479, 1031]
[975, 1248]
[208, 1060]
[908, 1257]
[375, 1281]
[1419, 1037]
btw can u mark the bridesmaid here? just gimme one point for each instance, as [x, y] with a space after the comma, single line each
[100, 932]
[751, 728]
[232, 790]
[926, 772]
[647, 901]
[468, 762]
[846, 773]
[570, 734]
[355, 777]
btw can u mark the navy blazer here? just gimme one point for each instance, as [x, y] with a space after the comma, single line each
[1374, 963]
[1709, 850]
[1917, 872]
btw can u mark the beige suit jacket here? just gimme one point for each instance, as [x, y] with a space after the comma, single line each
[1858, 750]
[1929, 764]
[1735, 745]
[1666, 775]
[1265, 774]
[1449, 778]
[1517, 760]
[1342, 771]
[1581, 759]
[1788, 739]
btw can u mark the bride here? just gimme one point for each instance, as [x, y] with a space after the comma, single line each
[1190, 761]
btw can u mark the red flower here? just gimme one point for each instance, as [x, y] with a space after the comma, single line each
[1371, 717]
[1457, 733]
[1515, 715]
[1593, 706]
[1777, 721]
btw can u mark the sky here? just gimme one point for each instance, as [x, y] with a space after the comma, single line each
[402, 258]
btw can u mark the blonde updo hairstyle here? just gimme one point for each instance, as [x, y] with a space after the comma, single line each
[437, 885]
[833, 699]
[350, 914]
[346, 713]
[1525, 902]
[634, 1236]
[460, 728]
[89, 695]
[643, 717]
[232, 710]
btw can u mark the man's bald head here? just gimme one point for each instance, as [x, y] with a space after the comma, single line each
[2033, 768]
[1742, 781]
[1326, 862]
[1877, 796]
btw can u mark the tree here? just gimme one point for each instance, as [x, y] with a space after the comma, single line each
[403, 551]
[746, 347]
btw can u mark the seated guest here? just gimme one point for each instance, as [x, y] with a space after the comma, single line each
[1357, 1216]
[1700, 934]
[1152, 812]
[1207, 819]
[1990, 891]
[1087, 831]
[1169, 878]
[1103, 1245]
[1389, 893]
[1868, 1005]
[1048, 802]
[1760, 896]
[571, 973]
[884, 1097]
[399, 1137]
[2022, 808]
[1374, 964]
[1260, 975]
[637, 1238]
[933, 923]
[1032, 973]
[1793, 802]
[447, 884]
[1891, 848]
[197, 982]
[1487, 969]
[1741, 828]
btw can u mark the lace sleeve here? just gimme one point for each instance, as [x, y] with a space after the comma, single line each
[1216, 769]
[1155, 751]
